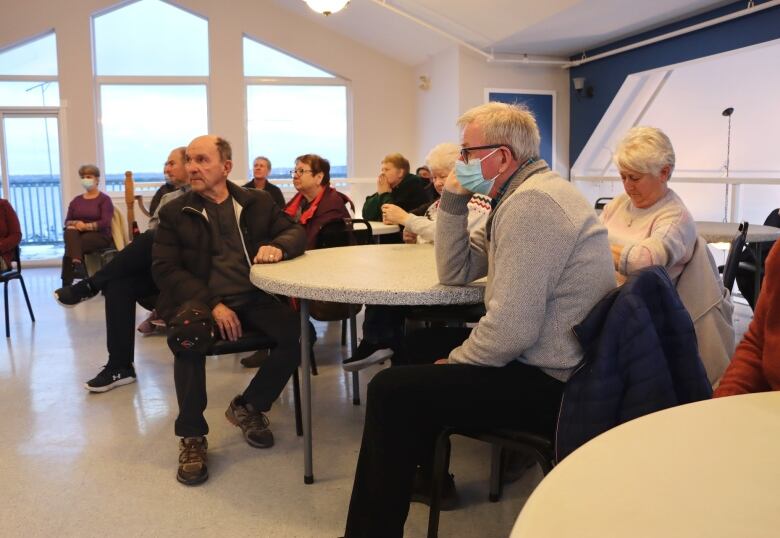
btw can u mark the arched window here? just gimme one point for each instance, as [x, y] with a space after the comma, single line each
[151, 71]
[293, 108]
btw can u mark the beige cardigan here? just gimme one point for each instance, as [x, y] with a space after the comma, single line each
[711, 309]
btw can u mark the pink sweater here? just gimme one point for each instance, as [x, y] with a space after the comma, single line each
[662, 234]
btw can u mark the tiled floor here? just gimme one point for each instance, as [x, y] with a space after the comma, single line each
[81, 464]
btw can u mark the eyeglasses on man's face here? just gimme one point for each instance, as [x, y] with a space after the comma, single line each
[299, 172]
[465, 153]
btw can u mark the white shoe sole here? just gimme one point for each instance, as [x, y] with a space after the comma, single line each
[377, 356]
[117, 383]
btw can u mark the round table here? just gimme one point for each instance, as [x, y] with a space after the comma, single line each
[380, 228]
[397, 274]
[724, 232]
[706, 469]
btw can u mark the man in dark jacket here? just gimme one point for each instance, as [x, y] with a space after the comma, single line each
[205, 244]
[261, 169]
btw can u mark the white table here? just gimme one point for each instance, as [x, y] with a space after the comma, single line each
[724, 232]
[380, 228]
[369, 274]
[707, 469]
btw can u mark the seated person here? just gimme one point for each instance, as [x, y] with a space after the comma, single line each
[10, 234]
[383, 325]
[170, 185]
[424, 173]
[395, 185]
[650, 225]
[261, 169]
[755, 366]
[87, 224]
[316, 205]
[126, 279]
[422, 229]
[546, 258]
[204, 246]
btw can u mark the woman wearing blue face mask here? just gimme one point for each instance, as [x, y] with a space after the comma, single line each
[87, 224]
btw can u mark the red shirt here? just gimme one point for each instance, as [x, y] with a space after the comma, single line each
[755, 366]
[10, 233]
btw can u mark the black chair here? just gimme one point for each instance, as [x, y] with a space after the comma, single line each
[342, 233]
[601, 202]
[732, 260]
[750, 272]
[5, 278]
[252, 341]
[539, 447]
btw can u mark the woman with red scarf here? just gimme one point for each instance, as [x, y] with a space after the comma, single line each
[317, 203]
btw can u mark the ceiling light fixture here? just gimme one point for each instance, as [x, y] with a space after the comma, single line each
[326, 7]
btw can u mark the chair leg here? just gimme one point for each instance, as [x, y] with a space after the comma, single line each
[353, 349]
[7, 321]
[313, 363]
[27, 298]
[441, 458]
[297, 403]
[343, 332]
[496, 461]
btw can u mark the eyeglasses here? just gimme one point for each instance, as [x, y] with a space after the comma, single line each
[299, 172]
[465, 153]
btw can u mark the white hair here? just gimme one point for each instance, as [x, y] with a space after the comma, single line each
[646, 150]
[443, 156]
[513, 125]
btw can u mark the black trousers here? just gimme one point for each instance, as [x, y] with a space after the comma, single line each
[408, 406]
[270, 316]
[125, 280]
[76, 245]
[384, 325]
[133, 260]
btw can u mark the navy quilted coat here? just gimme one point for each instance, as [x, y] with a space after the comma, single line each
[640, 357]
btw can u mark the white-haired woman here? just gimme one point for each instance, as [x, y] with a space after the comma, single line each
[648, 224]
[422, 229]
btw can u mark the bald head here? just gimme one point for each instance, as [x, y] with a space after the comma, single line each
[208, 165]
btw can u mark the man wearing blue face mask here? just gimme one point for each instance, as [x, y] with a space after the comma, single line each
[547, 262]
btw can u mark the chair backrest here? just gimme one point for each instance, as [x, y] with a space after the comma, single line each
[118, 231]
[342, 233]
[601, 202]
[732, 260]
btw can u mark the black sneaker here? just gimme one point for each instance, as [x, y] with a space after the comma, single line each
[366, 355]
[109, 379]
[422, 487]
[253, 424]
[255, 360]
[70, 296]
[193, 459]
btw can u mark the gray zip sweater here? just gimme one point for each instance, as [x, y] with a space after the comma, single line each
[547, 262]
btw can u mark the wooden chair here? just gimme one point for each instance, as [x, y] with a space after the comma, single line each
[5, 278]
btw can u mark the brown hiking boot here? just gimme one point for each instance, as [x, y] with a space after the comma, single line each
[253, 423]
[192, 461]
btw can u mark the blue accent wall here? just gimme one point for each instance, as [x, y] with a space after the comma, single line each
[606, 76]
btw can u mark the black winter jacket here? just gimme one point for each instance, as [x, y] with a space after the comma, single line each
[181, 256]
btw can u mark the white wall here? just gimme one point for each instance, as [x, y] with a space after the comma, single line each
[476, 74]
[458, 82]
[383, 100]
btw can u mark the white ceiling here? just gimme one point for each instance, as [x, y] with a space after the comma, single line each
[552, 28]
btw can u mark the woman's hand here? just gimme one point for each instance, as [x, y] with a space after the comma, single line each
[382, 186]
[392, 214]
[80, 226]
[409, 237]
[617, 250]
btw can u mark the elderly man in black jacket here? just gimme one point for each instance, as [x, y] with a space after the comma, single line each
[205, 244]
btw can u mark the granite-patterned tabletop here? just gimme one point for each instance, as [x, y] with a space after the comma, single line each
[724, 232]
[370, 274]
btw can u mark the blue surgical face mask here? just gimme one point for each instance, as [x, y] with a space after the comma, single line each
[88, 184]
[470, 175]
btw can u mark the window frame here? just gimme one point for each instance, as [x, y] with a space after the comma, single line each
[333, 80]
